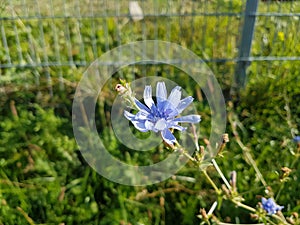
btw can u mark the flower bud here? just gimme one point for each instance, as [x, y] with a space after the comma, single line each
[120, 88]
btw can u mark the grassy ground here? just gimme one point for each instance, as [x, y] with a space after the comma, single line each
[43, 178]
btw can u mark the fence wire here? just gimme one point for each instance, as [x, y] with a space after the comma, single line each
[57, 39]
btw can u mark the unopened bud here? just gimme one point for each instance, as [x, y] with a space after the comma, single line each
[296, 215]
[201, 150]
[286, 171]
[225, 189]
[200, 153]
[254, 216]
[225, 138]
[203, 214]
[162, 201]
[290, 220]
[125, 91]
[120, 88]
[233, 180]
[206, 141]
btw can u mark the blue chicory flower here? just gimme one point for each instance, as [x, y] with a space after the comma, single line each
[296, 139]
[270, 206]
[162, 116]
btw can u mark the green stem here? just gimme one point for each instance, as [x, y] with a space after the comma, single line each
[242, 205]
[185, 153]
[249, 208]
[221, 174]
[189, 157]
[270, 221]
[279, 219]
[211, 182]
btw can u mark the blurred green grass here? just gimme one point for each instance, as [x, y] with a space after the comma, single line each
[43, 178]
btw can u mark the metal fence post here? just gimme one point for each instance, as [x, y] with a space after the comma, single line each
[245, 46]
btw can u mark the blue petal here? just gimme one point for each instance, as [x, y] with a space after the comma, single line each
[161, 106]
[168, 137]
[149, 125]
[183, 104]
[141, 106]
[270, 206]
[141, 115]
[296, 139]
[174, 125]
[180, 128]
[168, 109]
[175, 96]
[140, 125]
[188, 119]
[129, 115]
[148, 98]
[279, 208]
[161, 94]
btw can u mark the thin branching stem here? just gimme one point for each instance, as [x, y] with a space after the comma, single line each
[211, 182]
[242, 205]
[220, 173]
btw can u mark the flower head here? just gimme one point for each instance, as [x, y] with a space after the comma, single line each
[270, 206]
[162, 116]
[296, 139]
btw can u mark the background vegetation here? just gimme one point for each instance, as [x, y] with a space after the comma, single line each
[43, 178]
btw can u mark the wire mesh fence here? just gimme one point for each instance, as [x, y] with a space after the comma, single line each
[53, 40]
[276, 46]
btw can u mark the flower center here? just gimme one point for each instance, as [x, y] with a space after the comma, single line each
[160, 124]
